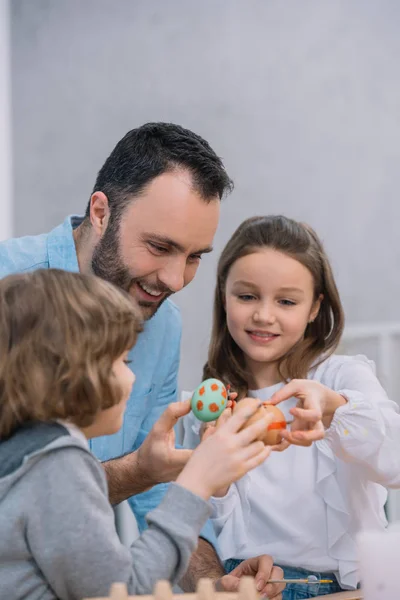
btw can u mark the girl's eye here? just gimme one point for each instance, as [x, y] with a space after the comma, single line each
[245, 297]
[286, 302]
[127, 361]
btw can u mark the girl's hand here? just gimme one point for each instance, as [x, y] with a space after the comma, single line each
[226, 454]
[315, 409]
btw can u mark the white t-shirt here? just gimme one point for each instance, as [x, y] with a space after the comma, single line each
[305, 506]
[280, 488]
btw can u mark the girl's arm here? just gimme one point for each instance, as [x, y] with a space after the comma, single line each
[362, 425]
[366, 429]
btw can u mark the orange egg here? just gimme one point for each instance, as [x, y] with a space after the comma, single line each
[271, 435]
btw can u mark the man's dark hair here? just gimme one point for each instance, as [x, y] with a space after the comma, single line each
[152, 149]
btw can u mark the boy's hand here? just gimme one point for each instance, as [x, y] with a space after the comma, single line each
[226, 454]
[208, 429]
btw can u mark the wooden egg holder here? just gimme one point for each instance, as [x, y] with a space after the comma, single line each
[205, 591]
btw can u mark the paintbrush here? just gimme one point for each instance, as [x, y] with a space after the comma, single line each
[310, 580]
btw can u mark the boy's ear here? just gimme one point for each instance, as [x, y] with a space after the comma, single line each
[315, 308]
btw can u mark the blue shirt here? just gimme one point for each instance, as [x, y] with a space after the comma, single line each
[155, 357]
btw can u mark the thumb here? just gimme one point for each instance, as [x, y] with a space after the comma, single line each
[229, 583]
[286, 392]
[224, 417]
[171, 416]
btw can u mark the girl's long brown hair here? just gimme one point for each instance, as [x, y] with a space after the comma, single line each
[321, 338]
[60, 334]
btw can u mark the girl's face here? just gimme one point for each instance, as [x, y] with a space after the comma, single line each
[269, 300]
[110, 420]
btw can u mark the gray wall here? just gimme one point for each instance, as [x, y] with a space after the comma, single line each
[301, 98]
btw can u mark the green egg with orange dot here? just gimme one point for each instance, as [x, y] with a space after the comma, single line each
[209, 400]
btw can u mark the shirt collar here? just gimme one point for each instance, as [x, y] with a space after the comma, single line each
[61, 246]
[74, 431]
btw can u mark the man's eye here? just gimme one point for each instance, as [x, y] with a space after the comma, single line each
[157, 248]
[195, 257]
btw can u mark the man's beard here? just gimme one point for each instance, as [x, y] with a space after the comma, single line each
[108, 264]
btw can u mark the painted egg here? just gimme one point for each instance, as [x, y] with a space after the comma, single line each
[209, 400]
[271, 435]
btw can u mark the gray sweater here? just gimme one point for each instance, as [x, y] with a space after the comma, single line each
[57, 532]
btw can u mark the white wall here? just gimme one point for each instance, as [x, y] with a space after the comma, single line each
[300, 98]
[5, 124]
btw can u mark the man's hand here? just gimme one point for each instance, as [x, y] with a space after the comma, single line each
[158, 461]
[262, 569]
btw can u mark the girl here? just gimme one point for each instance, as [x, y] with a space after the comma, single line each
[277, 322]
[64, 338]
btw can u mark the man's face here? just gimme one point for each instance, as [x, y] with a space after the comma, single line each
[156, 248]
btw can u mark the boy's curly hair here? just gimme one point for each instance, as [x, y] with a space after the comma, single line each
[60, 334]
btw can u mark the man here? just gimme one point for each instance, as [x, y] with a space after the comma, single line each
[152, 215]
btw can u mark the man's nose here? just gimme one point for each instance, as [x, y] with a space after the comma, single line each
[172, 276]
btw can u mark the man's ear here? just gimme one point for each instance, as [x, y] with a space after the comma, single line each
[99, 213]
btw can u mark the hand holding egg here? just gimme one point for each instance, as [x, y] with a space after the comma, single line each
[210, 399]
[272, 435]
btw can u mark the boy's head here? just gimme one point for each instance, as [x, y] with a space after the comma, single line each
[63, 337]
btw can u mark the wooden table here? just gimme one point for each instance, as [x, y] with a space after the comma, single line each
[205, 591]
